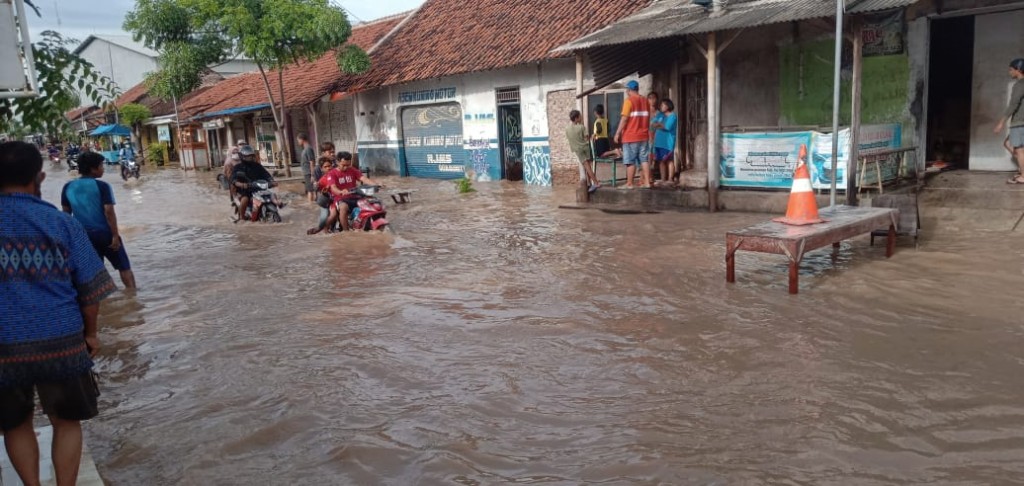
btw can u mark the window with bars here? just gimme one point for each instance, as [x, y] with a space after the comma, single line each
[507, 96]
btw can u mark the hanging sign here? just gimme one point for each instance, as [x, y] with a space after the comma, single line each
[163, 133]
[883, 34]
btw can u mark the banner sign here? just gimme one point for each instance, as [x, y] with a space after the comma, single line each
[760, 159]
[426, 95]
[883, 34]
[768, 160]
[163, 133]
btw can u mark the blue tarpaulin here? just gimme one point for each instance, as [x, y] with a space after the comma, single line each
[111, 130]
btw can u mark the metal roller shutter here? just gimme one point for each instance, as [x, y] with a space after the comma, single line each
[432, 140]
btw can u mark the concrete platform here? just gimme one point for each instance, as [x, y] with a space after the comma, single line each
[87, 473]
[949, 201]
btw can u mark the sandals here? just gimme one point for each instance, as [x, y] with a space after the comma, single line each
[1017, 179]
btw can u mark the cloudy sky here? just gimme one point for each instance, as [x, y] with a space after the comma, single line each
[80, 18]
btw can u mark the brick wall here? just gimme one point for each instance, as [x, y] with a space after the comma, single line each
[564, 167]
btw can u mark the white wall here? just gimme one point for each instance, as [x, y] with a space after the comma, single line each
[378, 112]
[125, 66]
[234, 67]
[998, 39]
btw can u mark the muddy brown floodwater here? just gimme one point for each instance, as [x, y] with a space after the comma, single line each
[496, 339]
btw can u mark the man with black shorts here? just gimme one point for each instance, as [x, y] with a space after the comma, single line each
[52, 282]
[91, 202]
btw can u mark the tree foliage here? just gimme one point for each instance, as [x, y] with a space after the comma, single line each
[60, 74]
[193, 34]
[134, 113]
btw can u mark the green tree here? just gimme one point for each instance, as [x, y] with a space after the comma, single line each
[133, 114]
[193, 34]
[60, 74]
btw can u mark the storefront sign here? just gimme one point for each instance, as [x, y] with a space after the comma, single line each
[760, 159]
[883, 34]
[768, 159]
[214, 124]
[163, 133]
[427, 95]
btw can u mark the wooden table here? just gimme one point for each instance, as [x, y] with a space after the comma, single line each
[842, 222]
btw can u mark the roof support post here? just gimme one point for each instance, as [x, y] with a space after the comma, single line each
[855, 100]
[714, 129]
[836, 80]
[579, 81]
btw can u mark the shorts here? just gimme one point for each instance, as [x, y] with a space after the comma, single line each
[601, 146]
[663, 155]
[1017, 137]
[351, 203]
[73, 399]
[307, 179]
[583, 156]
[101, 241]
[323, 200]
[634, 153]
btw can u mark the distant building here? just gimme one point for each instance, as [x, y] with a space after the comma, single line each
[127, 62]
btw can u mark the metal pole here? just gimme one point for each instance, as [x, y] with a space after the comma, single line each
[835, 100]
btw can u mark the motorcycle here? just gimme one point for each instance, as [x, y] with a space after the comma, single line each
[129, 168]
[55, 158]
[264, 204]
[369, 213]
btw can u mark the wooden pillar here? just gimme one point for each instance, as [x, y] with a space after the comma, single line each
[579, 81]
[855, 99]
[713, 126]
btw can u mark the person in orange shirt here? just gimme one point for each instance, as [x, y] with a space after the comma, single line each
[633, 133]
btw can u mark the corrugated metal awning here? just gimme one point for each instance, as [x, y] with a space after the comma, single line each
[670, 18]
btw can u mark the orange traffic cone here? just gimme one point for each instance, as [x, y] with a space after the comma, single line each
[802, 208]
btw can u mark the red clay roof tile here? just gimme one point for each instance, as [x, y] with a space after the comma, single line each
[304, 83]
[449, 37]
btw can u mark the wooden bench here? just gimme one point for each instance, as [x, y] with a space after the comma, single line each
[842, 222]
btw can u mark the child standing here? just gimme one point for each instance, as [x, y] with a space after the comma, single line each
[665, 139]
[579, 143]
[601, 144]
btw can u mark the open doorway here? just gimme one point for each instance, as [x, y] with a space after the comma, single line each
[950, 75]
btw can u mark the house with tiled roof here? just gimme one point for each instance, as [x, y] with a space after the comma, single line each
[238, 108]
[474, 87]
[162, 126]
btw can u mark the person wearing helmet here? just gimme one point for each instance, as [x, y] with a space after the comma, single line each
[246, 172]
[1014, 114]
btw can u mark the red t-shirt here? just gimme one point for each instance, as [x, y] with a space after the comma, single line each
[346, 179]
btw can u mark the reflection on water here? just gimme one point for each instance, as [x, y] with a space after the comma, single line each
[496, 339]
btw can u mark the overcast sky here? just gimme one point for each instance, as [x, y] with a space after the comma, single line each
[80, 18]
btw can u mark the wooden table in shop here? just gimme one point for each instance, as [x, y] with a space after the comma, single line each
[842, 222]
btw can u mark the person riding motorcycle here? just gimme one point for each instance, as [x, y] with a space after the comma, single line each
[245, 175]
[340, 184]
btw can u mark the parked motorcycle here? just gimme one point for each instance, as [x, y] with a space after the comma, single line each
[129, 168]
[369, 213]
[264, 204]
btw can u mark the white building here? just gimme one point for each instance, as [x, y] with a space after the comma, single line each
[127, 62]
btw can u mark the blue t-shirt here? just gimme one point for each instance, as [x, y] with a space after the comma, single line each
[48, 269]
[86, 198]
[665, 137]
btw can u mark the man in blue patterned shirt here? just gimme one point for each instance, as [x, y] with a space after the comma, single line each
[52, 282]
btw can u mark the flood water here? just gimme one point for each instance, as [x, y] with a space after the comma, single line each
[496, 339]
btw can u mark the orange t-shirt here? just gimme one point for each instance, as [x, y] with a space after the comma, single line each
[636, 119]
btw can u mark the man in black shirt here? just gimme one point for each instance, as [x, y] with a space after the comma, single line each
[245, 173]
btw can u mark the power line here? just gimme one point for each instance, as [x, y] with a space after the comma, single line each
[347, 11]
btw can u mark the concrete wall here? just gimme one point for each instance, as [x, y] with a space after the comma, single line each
[998, 38]
[564, 165]
[235, 67]
[378, 119]
[336, 124]
[750, 76]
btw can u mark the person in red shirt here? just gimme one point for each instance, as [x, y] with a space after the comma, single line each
[633, 133]
[340, 184]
